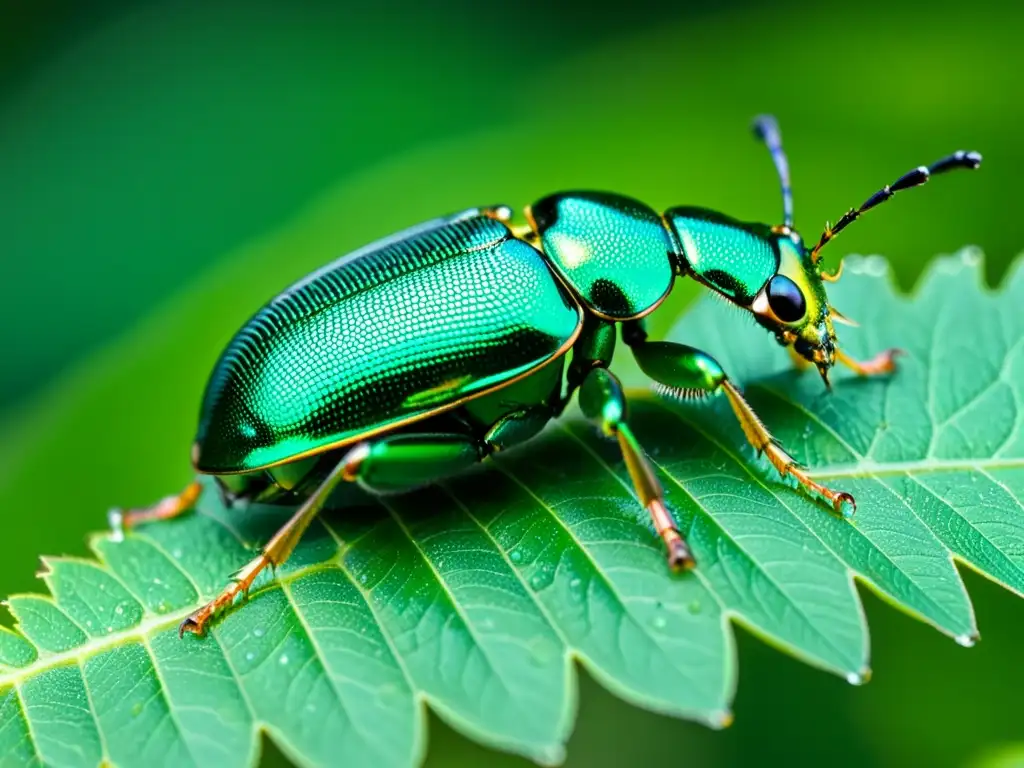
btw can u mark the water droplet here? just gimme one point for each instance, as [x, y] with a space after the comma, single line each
[103, 587]
[362, 579]
[540, 580]
[552, 755]
[109, 630]
[157, 580]
[162, 606]
[658, 622]
[283, 660]
[967, 641]
[177, 553]
[694, 607]
[311, 707]
[88, 622]
[575, 583]
[258, 632]
[858, 678]
[119, 610]
[486, 624]
[847, 508]
[250, 656]
[516, 556]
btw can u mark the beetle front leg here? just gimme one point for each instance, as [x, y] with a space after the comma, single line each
[685, 373]
[391, 464]
[882, 363]
[602, 400]
[168, 507]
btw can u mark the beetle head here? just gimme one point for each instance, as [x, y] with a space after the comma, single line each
[793, 305]
[792, 302]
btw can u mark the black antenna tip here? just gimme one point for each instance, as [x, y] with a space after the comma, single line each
[973, 158]
[765, 126]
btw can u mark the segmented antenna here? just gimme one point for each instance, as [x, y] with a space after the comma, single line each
[915, 178]
[766, 128]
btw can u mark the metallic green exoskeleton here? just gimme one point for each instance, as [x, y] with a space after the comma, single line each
[422, 354]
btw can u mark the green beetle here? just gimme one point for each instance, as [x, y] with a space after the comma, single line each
[422, 354]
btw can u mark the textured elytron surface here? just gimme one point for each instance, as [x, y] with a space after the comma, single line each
[614, 251]
[734, 257]
[391, 333]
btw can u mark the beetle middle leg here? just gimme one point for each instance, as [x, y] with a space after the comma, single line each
[395, 463]
[685, 372]
[602, 400]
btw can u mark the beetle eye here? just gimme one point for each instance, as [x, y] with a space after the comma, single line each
[785, 299]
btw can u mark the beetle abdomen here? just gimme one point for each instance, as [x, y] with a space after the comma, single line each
[393, 333]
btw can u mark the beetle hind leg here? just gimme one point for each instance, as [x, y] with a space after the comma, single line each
[167, 508]
[392, 464]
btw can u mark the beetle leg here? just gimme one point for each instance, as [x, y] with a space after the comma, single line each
[277, 549]
[683, 372]
[169, 507]
[602, 400]
[395, 463]
[882, 363]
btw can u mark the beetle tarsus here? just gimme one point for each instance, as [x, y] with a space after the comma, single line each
[240, 584]
[882, 363]
[167, 508]
[763, 442]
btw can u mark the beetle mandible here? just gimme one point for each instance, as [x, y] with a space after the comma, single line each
[422, 354]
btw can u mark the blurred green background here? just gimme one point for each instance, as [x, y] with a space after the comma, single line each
[165, 167]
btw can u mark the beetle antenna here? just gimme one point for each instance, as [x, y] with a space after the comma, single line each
[766, 128]
[914, 178]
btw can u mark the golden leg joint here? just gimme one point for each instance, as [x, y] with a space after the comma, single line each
[763, 442]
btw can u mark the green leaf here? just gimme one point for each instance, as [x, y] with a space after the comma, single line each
[478, 596]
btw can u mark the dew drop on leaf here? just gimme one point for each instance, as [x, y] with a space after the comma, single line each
[258, 632]
[177, 554]
[553, 755]
[966, 641]
[249, 656]
[658, 622]
[283, 660]
[541, 579]
[516, 556]
[694, 607]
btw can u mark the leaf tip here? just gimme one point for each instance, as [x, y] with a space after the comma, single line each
[859, 678]
[967, 641]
